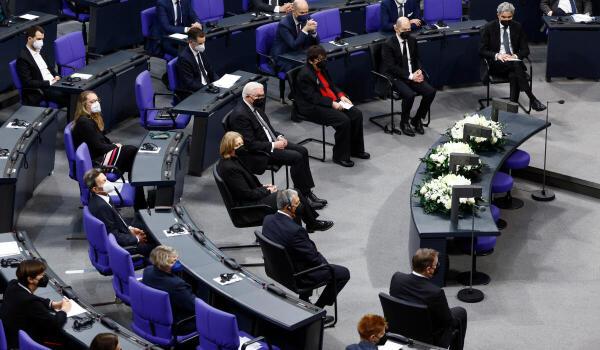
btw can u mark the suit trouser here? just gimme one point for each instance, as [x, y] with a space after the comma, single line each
[55, 96]
[342, 276]
[304, 212]
[348, 125]
[408, 90]
[517, 77]
[296, 157]
[459, 322]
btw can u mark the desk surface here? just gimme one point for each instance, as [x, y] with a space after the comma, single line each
[150, 169]
[519, 128]
[454, 28]
[20, 25]
[567, 23]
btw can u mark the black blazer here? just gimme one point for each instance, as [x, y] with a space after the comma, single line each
[180, 292]
[389, 13]
[189, 77]
[391, 58]
[243, 120]
[86, 130]
[302, 250]
[5, 11]
[112, 220]
[421, 290]
[31, 77]
[288, 39]
[490, 40]
[26, 311]
[165, 16]
[583, 6]
[243, 185]
[308, 90]
[263, 5]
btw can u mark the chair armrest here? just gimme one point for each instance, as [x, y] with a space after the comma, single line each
[304, 272]
[347, 33]
[382, 76]
[256, 207]
[269, 58]
[161, 94]
[526, 59]
[112, 169]
[33, 89]
[177, 325]
[92, 55]
[252, 341]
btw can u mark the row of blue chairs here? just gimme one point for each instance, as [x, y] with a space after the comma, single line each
[25, 341]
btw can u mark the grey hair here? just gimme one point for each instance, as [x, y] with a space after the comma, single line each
[284, 198]
[297, 3]
[506, 7]
[160, 255]
[250, 87]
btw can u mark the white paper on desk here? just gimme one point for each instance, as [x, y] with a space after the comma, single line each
[178, 36]
[226, 81]
[234, 278]
[337, 44]
[29, 17]
[253, 346]
[81, 76]
[581, 18]
[9, 248]
[346, 105]
[76, 309]
[12, 125]
[173, 234]
[149, 151]
[389, 345]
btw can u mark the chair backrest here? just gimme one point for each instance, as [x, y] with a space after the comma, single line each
[265, 36]
[172, 74]
[69, 51]
[148, 17]
[26, 343]
[446, 10]
[278, 264]
[122, 267]
[12, 66]
[381, 89]
[224, 190]
[209, 10]
[3, 345]
[144, 96]
[225, 122]
[83, 163]
[373, 19]
[245, 5]
[97, 237]
[330, 25]
[152, 315]
[218, 330]
[70, 150]
[407, 318]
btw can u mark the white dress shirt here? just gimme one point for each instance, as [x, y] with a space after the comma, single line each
[42, 66]
[175, 13]
[195, 54]
[107, 200]
[565, 5]
[502, 51]
[401, 41]
[400, 4]
[276, 3]
[257, 115]
[418, 274]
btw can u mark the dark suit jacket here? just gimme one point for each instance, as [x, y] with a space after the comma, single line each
[243, 185]
[4, 10]
[86, 130]
[112, 220]
[26, 311]
[263, 5]
[583, 6]
[308, 90]
[288, 39]
[180, 292]
[302, 250]
[490, 40]
[417, 289]
[391, 58]
[389, 13]
[31, 77]
[189, 77]
[165, 16]
[245, 122]
[363, 345]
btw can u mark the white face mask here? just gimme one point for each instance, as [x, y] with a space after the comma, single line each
[38, 44]
[108, 187]
[199, 48]
[95, 107]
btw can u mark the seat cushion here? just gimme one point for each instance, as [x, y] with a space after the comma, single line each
[502, 182]
[495, 212]
[517, 160]
[128, 195]
[263, 345]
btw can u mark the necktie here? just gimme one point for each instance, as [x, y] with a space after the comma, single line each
[506, 42]
[178, 14]
[573, 7]
[405, 56]
[116, 211]
[265, 126]
[400, 10]
[299, 28]
[202, 70]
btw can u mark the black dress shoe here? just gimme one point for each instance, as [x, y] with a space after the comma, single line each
[345, 163]
[313, 197]
[391, 128]
[328, 320]
[319, 225]
[407, 129]
[315, 205]
[362, 155]
[418, 125]
[537, 105]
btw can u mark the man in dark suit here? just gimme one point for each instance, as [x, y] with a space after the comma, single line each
[391, 10]
[504, 45]
[174, 16]
[35, 74]
[4, 12]
[193, 68]
[100, 206]
[295, 32]
[400, 61]
[416, 287]
[277, 6]
[320, 100]
[565, 7]
[42, 319]
[266, 145]
[282, 229]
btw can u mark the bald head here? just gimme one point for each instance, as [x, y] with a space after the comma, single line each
[402, 25]
[299, 8]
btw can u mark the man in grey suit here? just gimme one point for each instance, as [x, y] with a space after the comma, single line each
[565, 7]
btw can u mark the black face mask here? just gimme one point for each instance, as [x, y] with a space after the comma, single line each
[322, 65]
[43, 282]
[241, 150]
[506, 23]
[259, 103]
[404, 35]
[382, 340]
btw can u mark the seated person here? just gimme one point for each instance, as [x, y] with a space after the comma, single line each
[246, 189]
[266, 146]
[174, 16]
[282, 229]
[35, 74]
[391, 10]
[296, 31]
[88, 127]
[400, 61]
[105, 341]
[319, 99]
[416, 287]
[504, 45]
[277, 6]
[162, 275]
[565, 7]
[101, 207]
[193, 69]
[371, 329]
[42, 319]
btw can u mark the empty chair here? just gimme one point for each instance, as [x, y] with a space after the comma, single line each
[151, 117]
[69, 51]
[209, 10]
[219, 330]
[265, 35]
[121, 264]
[501, 183]
[172, 74]
[330, 25]
[70, 150]
[26, 343]
[3, 345]
[12, 67]
[483, 245]
[442, 10]
[517, 160]
[79, 17]
[373, 18]
[97, 237]
[152, 315]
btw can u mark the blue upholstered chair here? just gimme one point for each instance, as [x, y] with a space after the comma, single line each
[121, 264]
[96, 234]
[3, 345]
[79, 17]
[373, 20]
[209, 10]
[442, 10]
[265, 35]
[69, 51]
[148, 19]
[501, 183]
[330, 25]
[12, 67]
[70, 150]
[26, 343]
[516, 161]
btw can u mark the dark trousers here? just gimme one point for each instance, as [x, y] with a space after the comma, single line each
[55, 96]
[304, 212]
[125, 161]
[517, 76]
[342, 276]
[408, 90]
[348, 125]
[459, 322]
[296, 157]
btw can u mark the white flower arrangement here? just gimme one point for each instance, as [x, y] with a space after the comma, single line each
[436, 194]
[438, 160]
[477, 143]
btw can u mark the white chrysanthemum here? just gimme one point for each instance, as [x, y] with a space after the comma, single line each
[456, 132]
